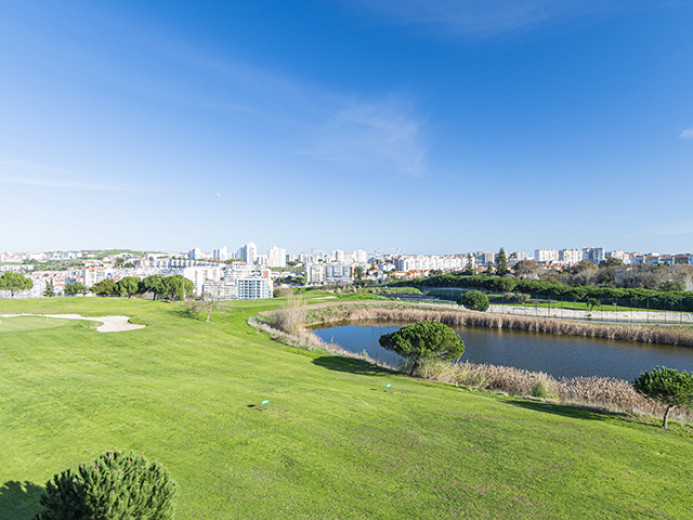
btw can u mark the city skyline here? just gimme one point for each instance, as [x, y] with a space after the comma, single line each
[425, 127]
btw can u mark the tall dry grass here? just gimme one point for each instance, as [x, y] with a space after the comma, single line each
[663, 335]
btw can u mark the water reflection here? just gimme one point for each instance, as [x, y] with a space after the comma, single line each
[560, 356]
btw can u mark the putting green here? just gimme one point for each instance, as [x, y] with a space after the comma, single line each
[29, 323]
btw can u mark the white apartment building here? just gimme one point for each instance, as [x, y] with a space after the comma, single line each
[200, 275]
[221, 290]
[546, 255]
[95, 275]
[248, 253]
[570, 256]
[593, 254]
[221, 255]
[254, 287]
[621, 255]
[237, 270]
[338, 255]
[276, 257]
[485, 257]
[429, 262]
[339, 272]
[315, 274]
[360, 256]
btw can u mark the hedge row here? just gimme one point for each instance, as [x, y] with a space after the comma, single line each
[641, 298]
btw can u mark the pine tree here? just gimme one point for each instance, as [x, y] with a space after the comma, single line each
[49, 291]
[116, 485]
[502, 263]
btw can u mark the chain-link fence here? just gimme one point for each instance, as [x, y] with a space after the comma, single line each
[668, 310]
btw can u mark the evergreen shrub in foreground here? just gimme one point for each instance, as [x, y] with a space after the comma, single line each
[114, 486]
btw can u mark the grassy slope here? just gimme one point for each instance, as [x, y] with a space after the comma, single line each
[334, 444]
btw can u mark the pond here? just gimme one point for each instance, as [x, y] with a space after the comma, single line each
[559, 356]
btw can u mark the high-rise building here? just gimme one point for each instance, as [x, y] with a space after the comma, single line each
[546, 255]
[276, 257]
[221, 255]
[254, 287]
[360, 256]
[570, 256]
[593, 254]
[248, 253]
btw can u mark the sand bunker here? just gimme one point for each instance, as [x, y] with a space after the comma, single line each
[108, 323]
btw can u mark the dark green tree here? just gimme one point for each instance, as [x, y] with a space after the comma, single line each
[49, 291]
[15, 282]
[358, 272]
[176, 286]
[74, 288]
[128, 286]
[116, 485]
[474, 300]
[611, 262]
[469, 268]
[668, 386]
[106, 287]
[424, 341]
[153, 284]
[501, 263]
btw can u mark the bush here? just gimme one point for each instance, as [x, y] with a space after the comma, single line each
[423, 342]
[474, 300]
[116, 486]
[543, 390]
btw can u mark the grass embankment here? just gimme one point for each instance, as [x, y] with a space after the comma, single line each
[334, 443]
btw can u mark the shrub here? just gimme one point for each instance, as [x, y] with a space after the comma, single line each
[116, 486]
[542, 389]
[423, 342]
[474, 300]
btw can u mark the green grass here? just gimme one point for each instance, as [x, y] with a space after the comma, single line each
[334, 443]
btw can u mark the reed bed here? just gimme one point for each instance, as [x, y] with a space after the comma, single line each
[290, 325]
[601, 393]
[662, 335]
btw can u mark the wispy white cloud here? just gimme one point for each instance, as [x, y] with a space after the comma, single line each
[20, 171]
[320, 121]
[687, 134]
[483, 17]
[386, 134]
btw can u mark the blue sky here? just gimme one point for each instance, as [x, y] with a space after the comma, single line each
[428, 126]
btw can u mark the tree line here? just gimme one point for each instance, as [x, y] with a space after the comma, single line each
[635, 297]
[162, 287]
[165, 287]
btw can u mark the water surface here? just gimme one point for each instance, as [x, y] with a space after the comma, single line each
[559, 356]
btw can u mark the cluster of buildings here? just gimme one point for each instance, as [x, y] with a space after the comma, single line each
[597, 254]
[246, 273]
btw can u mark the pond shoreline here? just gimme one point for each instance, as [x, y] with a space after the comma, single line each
[335, 312]
[291, 326]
